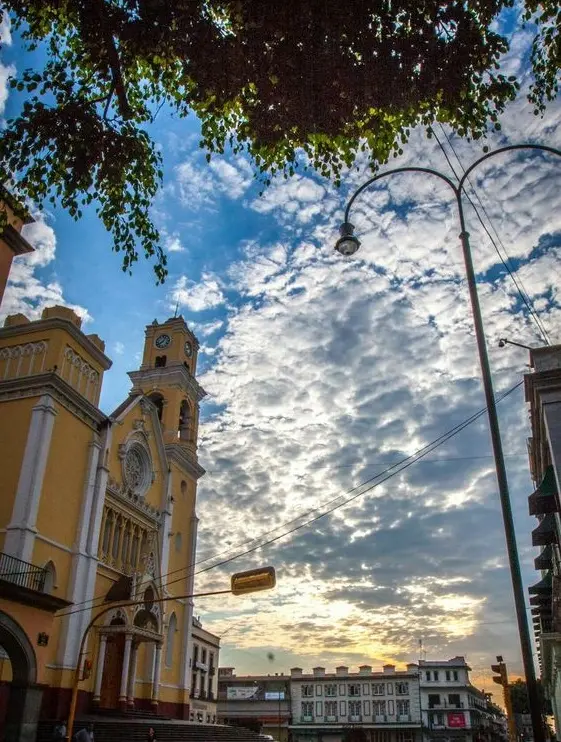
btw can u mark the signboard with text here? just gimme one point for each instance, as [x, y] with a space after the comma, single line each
[274, 695]
[240, 693]
[456, 720]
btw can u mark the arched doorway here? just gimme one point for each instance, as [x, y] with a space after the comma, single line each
[24, 702]
[112, 668]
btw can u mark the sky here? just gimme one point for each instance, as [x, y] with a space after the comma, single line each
[322, 372]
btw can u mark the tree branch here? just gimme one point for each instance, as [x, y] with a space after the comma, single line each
[114, 62]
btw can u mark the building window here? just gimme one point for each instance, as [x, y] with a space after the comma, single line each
[437, 719]
[448, 675]
[381, 736]
[331, 689]
[195, 653]
[378, 708]
[455, 675]
[160, 361]
[436, 675]
[172, 628]
[406, 736]
[378, 689]
[203, 656]
[402, 689]
[355, 708]
[307, 709]
[354, 689]
[454, 700]
[402, 708]
[434, 700]
[428, 676]
[307, 691]
[331, 708]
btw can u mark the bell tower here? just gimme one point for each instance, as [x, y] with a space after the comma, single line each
[167, 378]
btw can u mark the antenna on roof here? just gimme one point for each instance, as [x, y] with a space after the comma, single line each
[176, 308]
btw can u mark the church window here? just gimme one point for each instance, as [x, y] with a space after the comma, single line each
[137, 468]
[50, 577]
[134, 549]
[125, 549]
[160, 361]
[183, 432]
[116, 539]
[107, 532]
[172, 628]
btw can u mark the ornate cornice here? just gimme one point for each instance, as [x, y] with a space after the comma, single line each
[50, 383]
[177, 453]
[177, 375]
[58, 323]
[135, 504]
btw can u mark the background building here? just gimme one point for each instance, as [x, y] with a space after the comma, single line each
[426, 702]
[204, 678]
[13, 217]
[95, 508]
[258, 702]
[543, 395]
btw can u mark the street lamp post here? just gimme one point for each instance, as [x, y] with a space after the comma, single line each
[241, 583]
[347, 245]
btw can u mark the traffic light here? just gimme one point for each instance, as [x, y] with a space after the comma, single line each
[500, 676]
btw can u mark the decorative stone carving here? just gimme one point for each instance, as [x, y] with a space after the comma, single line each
[137, 468]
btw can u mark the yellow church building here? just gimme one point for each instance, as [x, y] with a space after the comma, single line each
[94, 508]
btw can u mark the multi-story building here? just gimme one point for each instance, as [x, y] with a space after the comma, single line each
[325, 705]
[426, 702]
[95, 508]
[543, 395]
[452, 708]
[258, 702]
[204, 678]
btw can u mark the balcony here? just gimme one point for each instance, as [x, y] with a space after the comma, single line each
[404, 717]
[355, 718]
[330, 719]
[380, 719]
[306, 718]
[25, 583]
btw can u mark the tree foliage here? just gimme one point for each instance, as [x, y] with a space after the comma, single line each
[288, 82]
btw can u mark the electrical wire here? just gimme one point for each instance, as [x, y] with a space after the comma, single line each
[322, 512]
[523, 293]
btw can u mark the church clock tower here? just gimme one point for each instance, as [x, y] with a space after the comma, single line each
[167, 378]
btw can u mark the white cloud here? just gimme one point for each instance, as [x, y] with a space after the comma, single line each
[172, 242]
[233, 181]
[197, 296]
[28, 290]
[119, 348]
[5, 30]
[199, 183]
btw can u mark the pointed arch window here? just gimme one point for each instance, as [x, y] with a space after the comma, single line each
[172, 628]
[50, 577]
[117, 538]
[107, 532]
[184, 427]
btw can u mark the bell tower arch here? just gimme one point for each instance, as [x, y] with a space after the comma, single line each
[167, 378]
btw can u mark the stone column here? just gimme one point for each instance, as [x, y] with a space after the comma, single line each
[20, 533]
[156, 675]
[132, 676]
[99, 668]
[125, 672]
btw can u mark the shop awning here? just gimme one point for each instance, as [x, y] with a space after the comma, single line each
[544, 499]
[545, 533]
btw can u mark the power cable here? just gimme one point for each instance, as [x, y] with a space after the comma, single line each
[386, 474]
[523, 293]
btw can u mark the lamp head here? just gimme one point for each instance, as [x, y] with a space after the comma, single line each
[502, 342]
[347, 244]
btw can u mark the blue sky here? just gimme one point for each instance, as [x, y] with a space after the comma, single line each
[322, 371]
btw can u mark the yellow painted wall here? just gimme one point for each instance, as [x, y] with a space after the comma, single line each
[63, 483]
[15, 417]
[33, 622]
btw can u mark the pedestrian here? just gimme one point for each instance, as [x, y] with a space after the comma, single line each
[85, 735]
[59, 732]
[151, 735]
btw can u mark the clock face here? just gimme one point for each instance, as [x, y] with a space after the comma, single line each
[188, 349]
[162, 341]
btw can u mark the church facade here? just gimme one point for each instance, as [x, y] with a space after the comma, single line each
[95, 509]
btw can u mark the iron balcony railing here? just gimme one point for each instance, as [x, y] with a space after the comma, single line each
[22, 573]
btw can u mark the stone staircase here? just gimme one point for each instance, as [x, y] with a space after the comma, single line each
[129, 729]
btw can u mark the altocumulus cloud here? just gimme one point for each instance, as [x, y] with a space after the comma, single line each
[332, 370]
